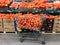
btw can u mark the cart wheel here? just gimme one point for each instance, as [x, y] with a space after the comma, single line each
[43, 42]
[21, 40]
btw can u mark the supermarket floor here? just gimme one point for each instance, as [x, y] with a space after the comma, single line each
[13, 39]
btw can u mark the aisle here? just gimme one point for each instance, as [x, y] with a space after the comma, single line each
[13, 39]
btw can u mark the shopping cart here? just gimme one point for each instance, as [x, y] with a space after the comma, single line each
[29, 34]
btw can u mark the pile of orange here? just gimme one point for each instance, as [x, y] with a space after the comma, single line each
[34, 4]
[7, 16]
[29, 21]
[5, 2]
[49, 5]
[57, 5]
[23, 5]
[14, 5]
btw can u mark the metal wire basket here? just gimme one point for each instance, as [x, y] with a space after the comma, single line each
[30, 34]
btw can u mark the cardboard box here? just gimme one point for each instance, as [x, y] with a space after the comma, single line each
[57, 22]
[56, 29]
[58, 19]
[56, 26]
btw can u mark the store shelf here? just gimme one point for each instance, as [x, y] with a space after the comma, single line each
[22, 10]
[54, 12]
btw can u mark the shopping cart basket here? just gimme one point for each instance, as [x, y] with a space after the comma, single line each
[30, 34]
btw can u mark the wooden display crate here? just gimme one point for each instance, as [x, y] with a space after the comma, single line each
[9, 30]
[9, 25]
[1, 29]
[8, 21]
[1, 26]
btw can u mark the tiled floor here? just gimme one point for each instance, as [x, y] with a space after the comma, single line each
[13, 39]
